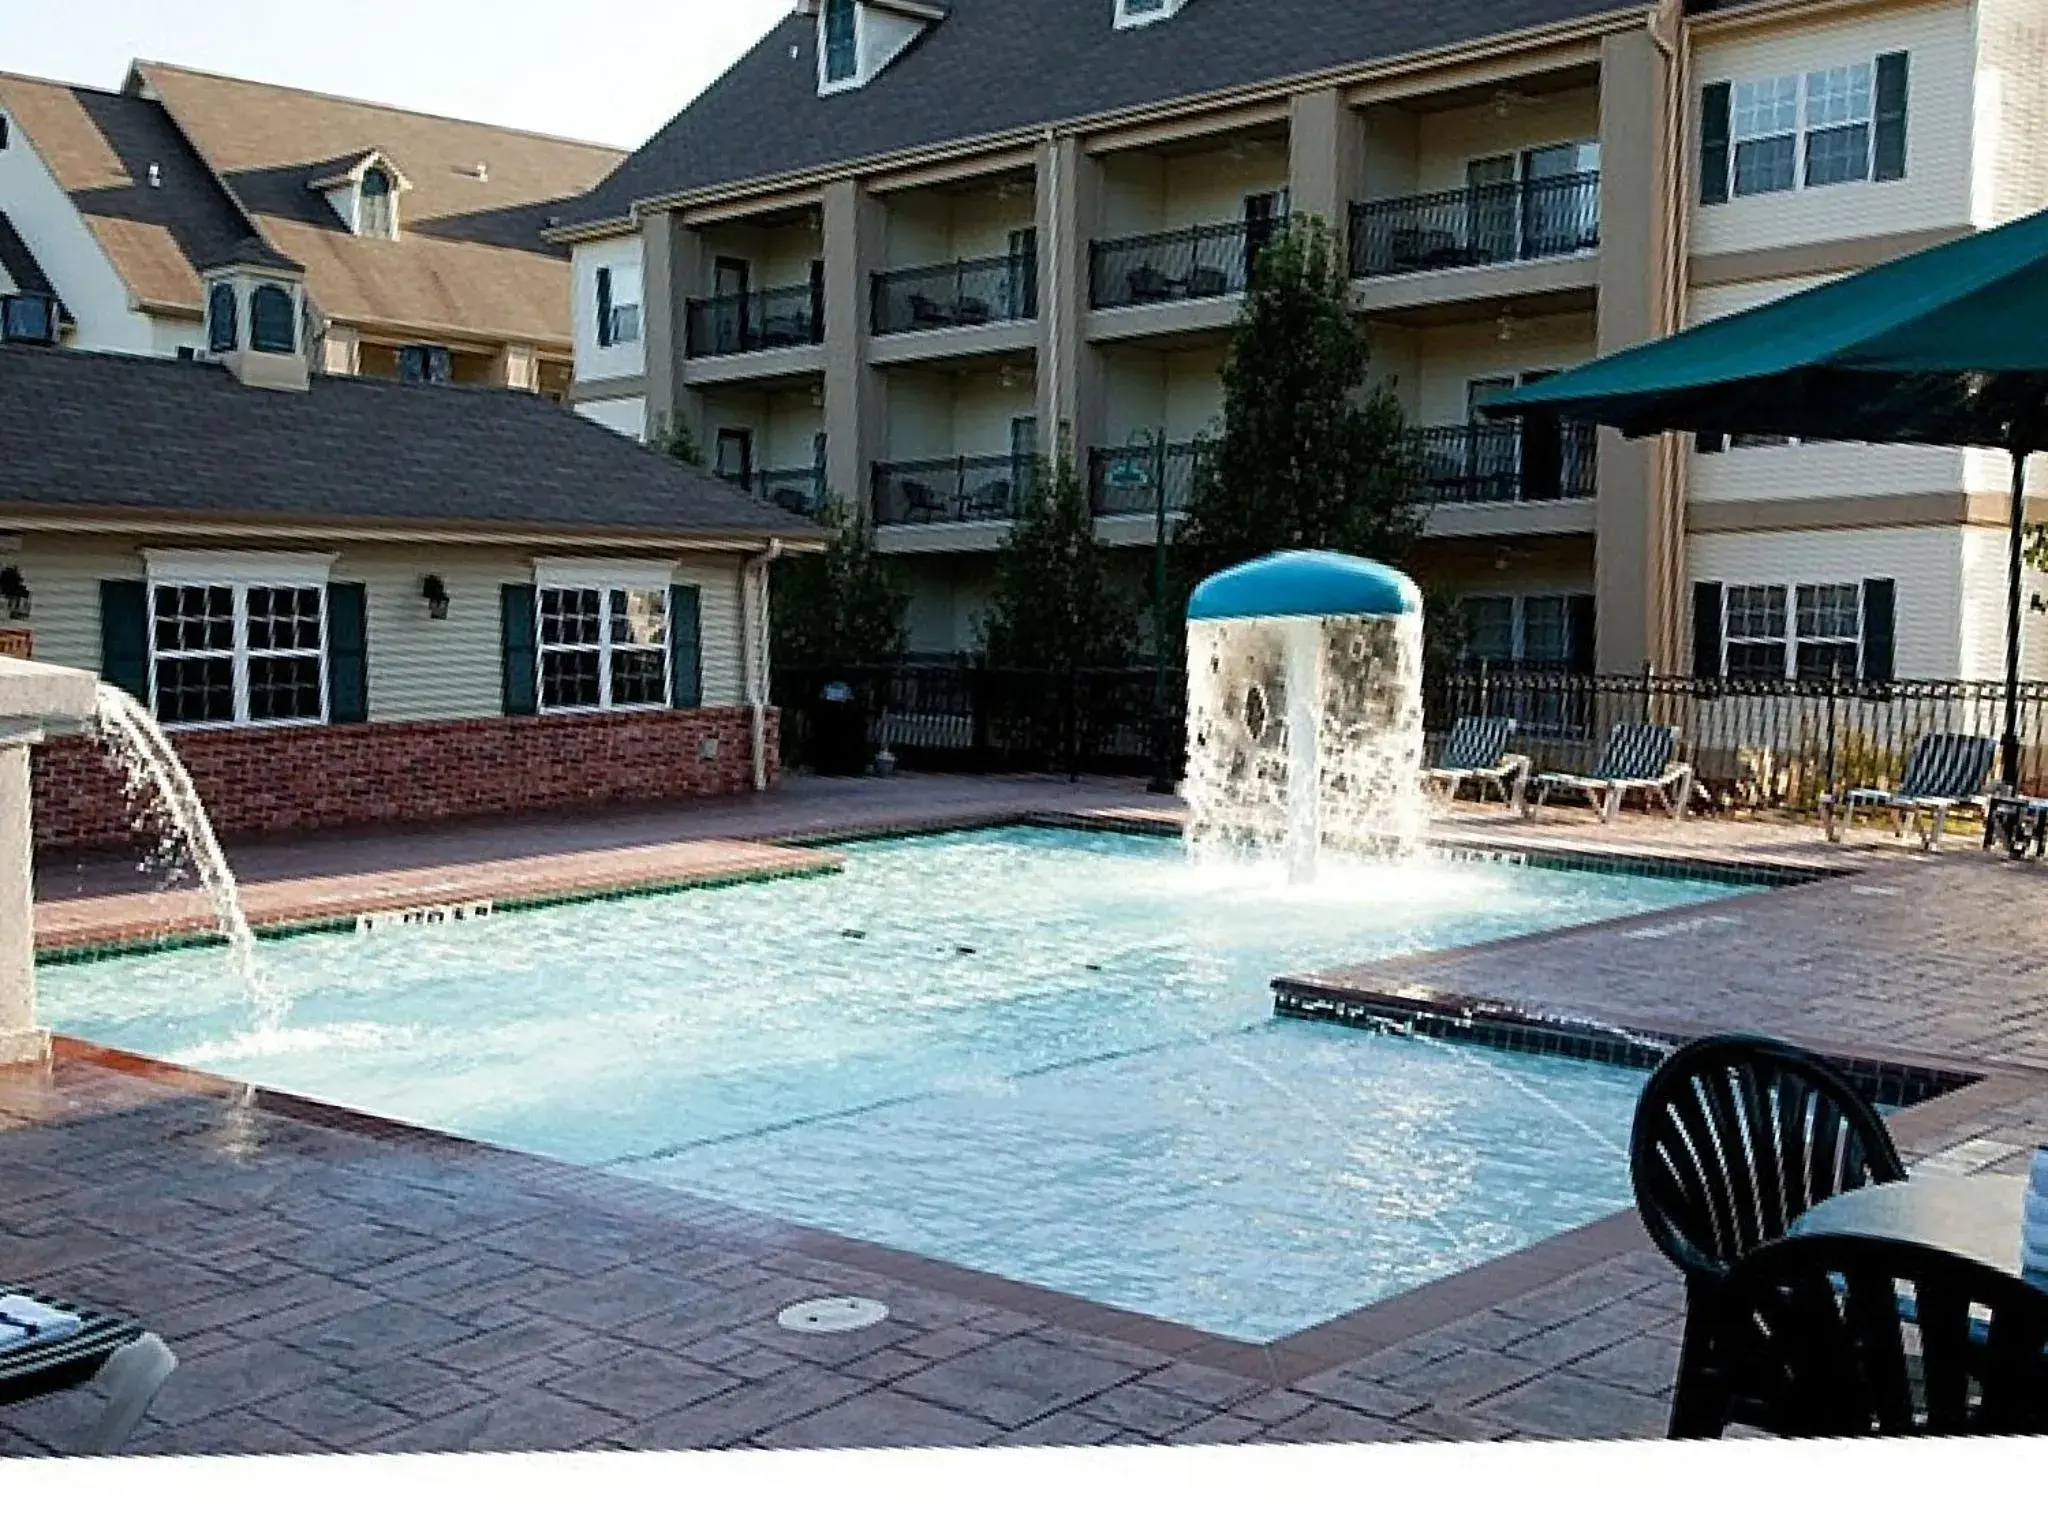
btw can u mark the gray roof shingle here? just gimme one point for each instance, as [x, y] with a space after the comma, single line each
[1000, 66]
[102, 431]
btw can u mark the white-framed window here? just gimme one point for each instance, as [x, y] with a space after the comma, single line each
[602, 634]
[1808, 631]
[377, 205]
[1839, 110]
[1138, 13]
[1816, 128]
[839, 42]
[1764, 128]
[618, 306]
[1531, 629]
[237, 640]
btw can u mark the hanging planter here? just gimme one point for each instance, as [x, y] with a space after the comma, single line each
[15, 591]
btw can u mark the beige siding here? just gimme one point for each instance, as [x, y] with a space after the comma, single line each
[930, 227]
[784, 423]
[1983, 655]
[948, 596]
[593, 361]
[1146, 194]
[1181, 392]
[419, 668]
[1941, 107]
[1446, 142]
[1928, 564]
[941, 416]
[2012, 109]
[777, 255]
[1447, 359]
[627, 416]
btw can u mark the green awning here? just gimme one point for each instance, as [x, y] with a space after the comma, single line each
[1949, 345]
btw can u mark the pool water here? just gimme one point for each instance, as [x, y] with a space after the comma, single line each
[1046, 1054]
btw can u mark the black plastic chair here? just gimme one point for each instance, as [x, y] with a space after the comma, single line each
[1838, 1334]
[1735, 1137]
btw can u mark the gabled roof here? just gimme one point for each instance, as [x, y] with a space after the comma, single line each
[343, 169]
[469, 257]
[22, 268]
[994, 67]
[100, 146]
[99, 432]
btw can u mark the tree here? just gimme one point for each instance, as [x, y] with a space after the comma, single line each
[1056, 606]
[674, 438]
[844, 607]
[1310, 456]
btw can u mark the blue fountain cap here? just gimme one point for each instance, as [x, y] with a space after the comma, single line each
[1305, 583]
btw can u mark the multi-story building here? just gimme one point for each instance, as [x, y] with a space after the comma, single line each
[902, 244]
[419, 237]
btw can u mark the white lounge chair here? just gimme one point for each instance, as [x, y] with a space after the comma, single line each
[1942, 773]
[1638, 755]
[1477, 749]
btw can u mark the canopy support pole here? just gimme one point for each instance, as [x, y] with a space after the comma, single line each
[2015, 545]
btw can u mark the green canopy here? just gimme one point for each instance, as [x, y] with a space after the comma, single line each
[1949, 346]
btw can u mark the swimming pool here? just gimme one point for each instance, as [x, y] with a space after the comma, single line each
[1046, 1054]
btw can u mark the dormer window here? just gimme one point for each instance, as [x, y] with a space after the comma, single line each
[272, 323]
[839, 30]
[1139, 13]
[377, 206]
[220, 318]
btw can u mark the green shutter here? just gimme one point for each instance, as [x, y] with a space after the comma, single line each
[604, 306]
[515, 604]
[685, 649]
[1880, 608]
[348, 680]
[1714, 143]
[1888, 157]
[1581, 627]
[124, 635]
[1706, 629]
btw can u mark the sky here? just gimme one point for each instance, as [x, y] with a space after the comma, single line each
[611, 71]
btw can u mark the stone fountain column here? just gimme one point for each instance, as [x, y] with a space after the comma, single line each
[32, 696]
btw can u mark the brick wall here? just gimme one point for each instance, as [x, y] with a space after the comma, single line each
[296, 779]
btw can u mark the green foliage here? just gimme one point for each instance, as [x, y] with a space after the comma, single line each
[674, 438]
[1055, 604]
[1310, 455]
[842, 608]
[1446, 627]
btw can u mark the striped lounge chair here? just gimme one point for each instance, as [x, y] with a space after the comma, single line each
[1477, 749]
[1638, 755]
[50, 1345]
[1943, 772]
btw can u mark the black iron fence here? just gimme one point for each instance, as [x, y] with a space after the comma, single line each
[1508, 461]
[1125, 482]
[757, 321]
[1777, 745]
[959, 490]
[978, 292]
[1206, 261]
[1477, 226]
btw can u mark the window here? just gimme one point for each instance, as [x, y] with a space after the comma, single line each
[1830, 631]
[273, 327]
[1838, 112]
[237, 653]
[618, 306]
[1136, 13]
[1490, 630]
[377, 206]
[839, 27]
[1843, 123]
[220, 318]
[1766, 135]
[1755, 636]
[28, 317]
[1546, 631]
[603, 647]
[422, 364]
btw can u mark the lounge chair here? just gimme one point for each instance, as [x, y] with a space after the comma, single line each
[1477, 749]
[1943, 772]
[128, 1364]
[1638, 755]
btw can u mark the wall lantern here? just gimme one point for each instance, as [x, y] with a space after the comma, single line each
[15, 590]
[435, 591]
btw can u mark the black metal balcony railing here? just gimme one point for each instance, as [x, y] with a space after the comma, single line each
[801, 491]
[1124, 482]
[979, 292]
[1205, 262]
[758, 321]
[1508, 461]
[961, 490]
[1477, 226]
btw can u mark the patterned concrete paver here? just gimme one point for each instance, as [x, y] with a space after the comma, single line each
[336, 1284]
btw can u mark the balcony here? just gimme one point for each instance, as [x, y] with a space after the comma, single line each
[759, 321]
[1127, 482]
[986, 291]
[1508, 461]
[1477, 226]
[801, 491]
[1208, 261]
[960, 490]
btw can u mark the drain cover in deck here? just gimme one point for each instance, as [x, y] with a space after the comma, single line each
[832, 1314]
